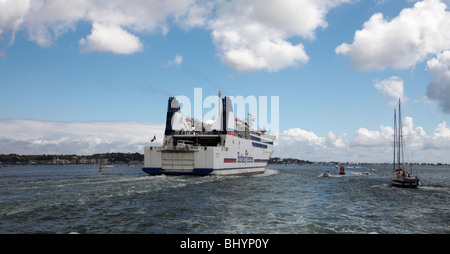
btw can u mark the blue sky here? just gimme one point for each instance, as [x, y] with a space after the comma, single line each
[91, 62]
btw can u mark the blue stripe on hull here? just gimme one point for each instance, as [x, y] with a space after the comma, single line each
[198, 171]
[152, 171]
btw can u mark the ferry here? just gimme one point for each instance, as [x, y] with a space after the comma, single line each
[228, 146]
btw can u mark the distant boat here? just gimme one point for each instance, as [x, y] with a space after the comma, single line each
[326, 174]
[400, 176]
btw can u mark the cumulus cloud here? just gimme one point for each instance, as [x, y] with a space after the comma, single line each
[249, 35]
[253, 34]
[390, 90]
[12, 14]
[27, 136]
[367, 138]
[46, 20]
[365, 145]
[110, 38]
[415, 35]
[439, 88]
[440, 138]
[403, 41]
[196, 15]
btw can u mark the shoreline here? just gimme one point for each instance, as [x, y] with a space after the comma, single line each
[138, 158]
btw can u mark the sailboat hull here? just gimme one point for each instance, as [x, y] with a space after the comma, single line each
[406, 183]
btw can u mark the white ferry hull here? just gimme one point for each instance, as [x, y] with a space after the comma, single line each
[242, 157]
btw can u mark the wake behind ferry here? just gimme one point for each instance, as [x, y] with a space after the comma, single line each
[228, 146]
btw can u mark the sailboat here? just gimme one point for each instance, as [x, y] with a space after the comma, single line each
[400, 176]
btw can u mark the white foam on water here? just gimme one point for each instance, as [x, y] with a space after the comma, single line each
[269, 172]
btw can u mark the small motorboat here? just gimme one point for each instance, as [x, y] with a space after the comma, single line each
[326, 174]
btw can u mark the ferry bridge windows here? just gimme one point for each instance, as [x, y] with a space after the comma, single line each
[258, 145]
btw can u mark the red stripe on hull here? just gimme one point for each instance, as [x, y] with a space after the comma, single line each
[232, 133]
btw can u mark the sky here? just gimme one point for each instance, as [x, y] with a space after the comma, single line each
[84, 77]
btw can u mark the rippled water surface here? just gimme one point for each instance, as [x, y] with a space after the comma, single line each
[285, 199]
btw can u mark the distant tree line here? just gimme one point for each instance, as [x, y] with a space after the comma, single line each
[132, 158]
[276, 160]
[100, 158]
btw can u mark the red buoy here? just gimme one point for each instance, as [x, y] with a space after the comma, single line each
[341, 171]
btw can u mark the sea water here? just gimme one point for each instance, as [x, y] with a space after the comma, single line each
[292, 199]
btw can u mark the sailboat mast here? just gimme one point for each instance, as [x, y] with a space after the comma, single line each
[400, 136]
[395, 137]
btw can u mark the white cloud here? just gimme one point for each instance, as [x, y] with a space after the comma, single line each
[402, 42]
[196, 15]
[12, 14]
[366, 145]
[253, 35]
[26, 136]
[439, 88]
[110, 39]
[412, 37]
[367, 138]
[390, 90]
[175, 62]
[249, 35]
[47, 20]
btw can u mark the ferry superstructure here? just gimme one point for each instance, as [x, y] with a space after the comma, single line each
[193, 147]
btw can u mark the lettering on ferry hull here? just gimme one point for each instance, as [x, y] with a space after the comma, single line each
[244, 158]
